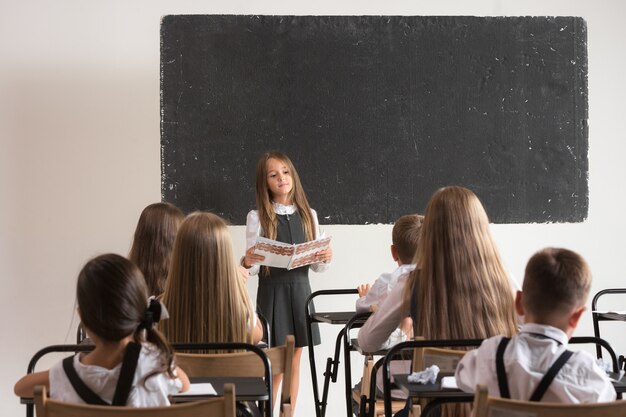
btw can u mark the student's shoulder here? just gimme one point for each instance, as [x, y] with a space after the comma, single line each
[253, 215]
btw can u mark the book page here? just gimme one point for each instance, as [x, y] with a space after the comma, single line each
[204, 388]
[305, 252]
[277, 254]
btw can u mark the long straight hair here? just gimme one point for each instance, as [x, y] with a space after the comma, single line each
[154, 241]
[267, 216]
[461, 287]
[205, 293]
[112, 300]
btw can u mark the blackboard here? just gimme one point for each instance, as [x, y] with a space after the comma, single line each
[377, 112]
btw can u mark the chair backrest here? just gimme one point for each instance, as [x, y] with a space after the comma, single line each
[217, 407]
[446, 359]
[486, 406]
[243, 364]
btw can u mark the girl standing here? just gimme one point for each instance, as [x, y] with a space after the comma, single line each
[112, 304]
[283, 214]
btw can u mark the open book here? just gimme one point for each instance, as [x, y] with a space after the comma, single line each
[287, 255]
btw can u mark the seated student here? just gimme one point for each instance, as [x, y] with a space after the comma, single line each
[113, 306]
[459, 288]
[404, 236]
[555, 289]
[205, 292]
[153, 243]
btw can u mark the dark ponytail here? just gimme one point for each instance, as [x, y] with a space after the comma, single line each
[113, 304]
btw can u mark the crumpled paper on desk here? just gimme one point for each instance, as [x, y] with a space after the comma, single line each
[427, 376]
[608, 368]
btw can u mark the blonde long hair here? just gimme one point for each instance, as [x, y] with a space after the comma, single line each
[267, 216]
[462, 290]
[205, 294]
[461, 287]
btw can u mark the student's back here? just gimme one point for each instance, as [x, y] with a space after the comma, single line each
[459, 289]
[113, 305]
[205, 292]
[556, 287]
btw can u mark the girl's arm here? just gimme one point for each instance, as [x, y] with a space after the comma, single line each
[25, 386]
[325, 256]
[183, 378]
[253, 230]
[257, 330]
[383, 322]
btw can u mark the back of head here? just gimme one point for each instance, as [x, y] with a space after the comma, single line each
[459, 273]
[556, 281]
[112, 297]
[405, 236]
[204, 293]
[153, 243]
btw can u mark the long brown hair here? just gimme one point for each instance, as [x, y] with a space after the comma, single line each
[460, 286]
[459, 273]
[267, 216]
[205, 294]
[153, 243]
[112, 301]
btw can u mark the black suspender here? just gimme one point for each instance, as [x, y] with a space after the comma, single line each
[503, 383]
[545, 382]
[124, 383]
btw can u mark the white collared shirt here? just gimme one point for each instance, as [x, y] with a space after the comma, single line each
[381, 288]
[253, 230]
[527, 358]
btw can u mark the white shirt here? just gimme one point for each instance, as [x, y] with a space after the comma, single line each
[381, 287]
[376, 330]
[527, 358]
[374, 333]
[253, 230]
[102, 381]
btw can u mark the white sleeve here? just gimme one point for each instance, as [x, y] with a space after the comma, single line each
[383, 322]
[320, 266]
[466, 371]
[376, 295]
[253, 230]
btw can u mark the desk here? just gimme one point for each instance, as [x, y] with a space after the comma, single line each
[246, 388]
[442, 395]
[332, 364]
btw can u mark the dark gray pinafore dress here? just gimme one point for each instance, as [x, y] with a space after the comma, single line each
[282, 294]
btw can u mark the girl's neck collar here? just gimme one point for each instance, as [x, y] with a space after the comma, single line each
[283, 208]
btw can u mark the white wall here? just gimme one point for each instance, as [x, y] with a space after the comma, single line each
[79, 156]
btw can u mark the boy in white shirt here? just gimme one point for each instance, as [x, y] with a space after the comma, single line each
[535, 364]
[404, 238]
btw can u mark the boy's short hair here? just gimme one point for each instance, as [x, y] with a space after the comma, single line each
[405, 236]
[556, 281]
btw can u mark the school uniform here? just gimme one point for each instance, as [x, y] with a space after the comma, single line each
[282, 293]
[381, 288]
[526, 359]
[154, 392]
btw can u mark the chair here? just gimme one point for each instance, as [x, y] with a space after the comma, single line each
[485, 406]
[218, 407]
[605, 316]
[246, 364]
[426, 353]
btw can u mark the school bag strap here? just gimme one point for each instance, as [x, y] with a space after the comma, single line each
[545, 382]
[124, 382]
